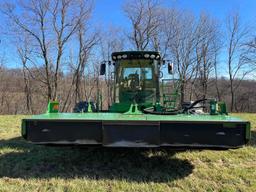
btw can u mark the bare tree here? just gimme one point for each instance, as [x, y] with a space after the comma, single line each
[166, 32]
[237, 35]
[65, 25]
[2, 88]
[111, 40]
[250, 57]
[216, 70]
[85, 46]
[36, 13]
[181, 49]
[207, 46]
[79, 88]
[23, 53]
[144, 16]
[50, 25]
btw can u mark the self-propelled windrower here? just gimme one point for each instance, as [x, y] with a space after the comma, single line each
[145, 113]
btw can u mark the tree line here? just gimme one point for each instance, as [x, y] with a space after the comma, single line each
[59, 50]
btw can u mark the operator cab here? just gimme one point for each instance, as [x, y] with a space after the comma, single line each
[136, 79]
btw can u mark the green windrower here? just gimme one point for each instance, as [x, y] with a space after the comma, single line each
[146, 111]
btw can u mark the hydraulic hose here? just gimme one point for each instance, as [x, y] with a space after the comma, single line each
[150, 110]
[192, 105]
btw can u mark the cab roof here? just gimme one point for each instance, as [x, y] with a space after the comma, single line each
[129, 55]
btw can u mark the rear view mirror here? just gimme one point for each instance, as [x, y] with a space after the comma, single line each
[102, 69]
[170, 68]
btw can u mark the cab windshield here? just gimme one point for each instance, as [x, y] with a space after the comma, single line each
[143, 73]
[135, 81]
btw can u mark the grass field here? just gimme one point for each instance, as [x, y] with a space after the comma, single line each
[26, 167]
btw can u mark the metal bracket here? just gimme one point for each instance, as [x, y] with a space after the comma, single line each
[133, 110]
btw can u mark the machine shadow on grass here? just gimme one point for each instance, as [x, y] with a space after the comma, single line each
[20, 159]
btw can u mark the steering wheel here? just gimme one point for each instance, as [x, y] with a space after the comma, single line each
[134, 82]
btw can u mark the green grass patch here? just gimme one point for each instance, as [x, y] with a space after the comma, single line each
[27, 167]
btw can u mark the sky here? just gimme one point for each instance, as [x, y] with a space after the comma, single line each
[109, 12]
